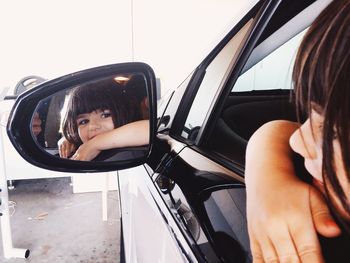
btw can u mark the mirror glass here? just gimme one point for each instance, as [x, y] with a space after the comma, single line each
[102, 120]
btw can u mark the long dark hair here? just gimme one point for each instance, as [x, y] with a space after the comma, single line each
[99, 95]
[322, 76]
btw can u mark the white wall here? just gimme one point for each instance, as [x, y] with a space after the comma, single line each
[50, 38]
[175, 36]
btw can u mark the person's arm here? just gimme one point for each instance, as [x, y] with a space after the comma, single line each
[283, 212]
[129, 135]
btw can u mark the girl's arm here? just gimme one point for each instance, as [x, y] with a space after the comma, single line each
[129, 135]
[283, 212]
[132, 134]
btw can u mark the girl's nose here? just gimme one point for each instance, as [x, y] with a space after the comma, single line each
[94, 125]
[302, 141]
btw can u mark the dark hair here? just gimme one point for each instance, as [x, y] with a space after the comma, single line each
[99, 95]
[321, 76]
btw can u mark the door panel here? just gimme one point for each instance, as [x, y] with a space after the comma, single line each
[209, 206]
[149, 232]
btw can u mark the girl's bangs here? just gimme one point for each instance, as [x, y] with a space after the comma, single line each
[86, 99]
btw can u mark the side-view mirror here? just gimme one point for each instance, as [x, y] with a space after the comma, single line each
[98, 119]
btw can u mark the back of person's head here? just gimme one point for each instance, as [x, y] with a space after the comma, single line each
[321, 80]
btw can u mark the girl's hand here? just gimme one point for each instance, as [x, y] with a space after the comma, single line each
[283, 218]
[65, 148]
[86, 152]
[284, 213]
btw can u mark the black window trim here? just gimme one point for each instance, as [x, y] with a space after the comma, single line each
[254, 37]
[196, 80]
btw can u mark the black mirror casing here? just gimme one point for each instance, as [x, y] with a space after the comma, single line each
[19, 123]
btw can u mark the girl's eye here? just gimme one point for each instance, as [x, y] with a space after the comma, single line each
[82, 122]
[106, 114]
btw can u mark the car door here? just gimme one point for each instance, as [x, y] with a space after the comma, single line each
[243, 84]
[193, 186]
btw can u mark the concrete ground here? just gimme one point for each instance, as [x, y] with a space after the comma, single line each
[59, 226]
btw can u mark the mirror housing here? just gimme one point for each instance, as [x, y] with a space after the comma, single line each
[19, 126]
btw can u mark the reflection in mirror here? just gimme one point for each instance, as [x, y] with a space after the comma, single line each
[101, 120]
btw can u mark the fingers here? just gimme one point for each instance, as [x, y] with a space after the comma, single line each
[305, 236]
[310, 254]
[62, 148]
[277, 247]
[60, 145]
[75, 157]
[60, 151]
[284, 246]
[65, 148]
[285, 240]
[307, 243]
[323, 221]
[78, 155]
[256, 250]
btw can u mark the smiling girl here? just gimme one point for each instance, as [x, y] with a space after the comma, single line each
[101, 116]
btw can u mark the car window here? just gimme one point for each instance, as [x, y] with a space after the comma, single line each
[261, 94]
[274, 71]
[215, 75]
[169, 104]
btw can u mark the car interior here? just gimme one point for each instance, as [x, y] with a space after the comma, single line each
[243, 114]
[263, 91]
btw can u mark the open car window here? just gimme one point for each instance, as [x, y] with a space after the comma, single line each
[263, 91]
[261, 94]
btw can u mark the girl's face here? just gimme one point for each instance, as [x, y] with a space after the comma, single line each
[307, 141]
[94, 123]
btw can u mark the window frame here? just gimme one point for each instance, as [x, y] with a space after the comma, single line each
[257, 12]
[261, 33]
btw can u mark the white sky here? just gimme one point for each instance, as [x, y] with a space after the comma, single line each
[51, 38]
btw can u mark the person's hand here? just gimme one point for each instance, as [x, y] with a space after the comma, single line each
[65, 148]
[86, 152]
[36, 124]
[283, 217]
[284, 214]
